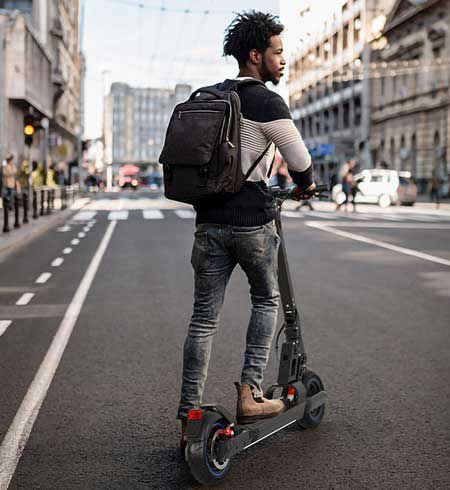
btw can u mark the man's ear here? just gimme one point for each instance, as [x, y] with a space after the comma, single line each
[255, 57]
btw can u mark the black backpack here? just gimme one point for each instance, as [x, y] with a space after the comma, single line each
[201, 156]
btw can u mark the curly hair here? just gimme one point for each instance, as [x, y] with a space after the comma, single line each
[250, 30]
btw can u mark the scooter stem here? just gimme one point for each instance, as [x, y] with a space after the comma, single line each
[293, 357]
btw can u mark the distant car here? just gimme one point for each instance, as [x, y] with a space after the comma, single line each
[382, 187]
[129, 181]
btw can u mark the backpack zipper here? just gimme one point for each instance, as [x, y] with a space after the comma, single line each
[196, 111]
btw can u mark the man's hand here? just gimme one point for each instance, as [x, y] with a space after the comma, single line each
[299, 194]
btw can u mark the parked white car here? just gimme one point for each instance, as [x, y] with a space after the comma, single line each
[382, 187]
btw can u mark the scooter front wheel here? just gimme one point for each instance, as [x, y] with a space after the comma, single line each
[201, 456]
[313, 385]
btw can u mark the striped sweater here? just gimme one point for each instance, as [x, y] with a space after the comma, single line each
[266, 119]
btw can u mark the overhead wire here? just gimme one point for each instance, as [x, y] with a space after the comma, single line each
[156, 43]
[136, 3]
[178, 40]
[196, 40]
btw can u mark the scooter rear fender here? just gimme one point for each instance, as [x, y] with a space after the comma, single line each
[194, 428]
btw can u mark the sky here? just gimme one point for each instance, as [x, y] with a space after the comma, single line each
[136, 42]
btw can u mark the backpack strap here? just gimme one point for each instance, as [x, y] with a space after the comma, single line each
[209, 90]
[248, 81]
[255, 163]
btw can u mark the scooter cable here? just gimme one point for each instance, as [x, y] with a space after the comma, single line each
[278, 337]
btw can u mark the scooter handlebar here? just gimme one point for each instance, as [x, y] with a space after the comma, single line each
[283, 194]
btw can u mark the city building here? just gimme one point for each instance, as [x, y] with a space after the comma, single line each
[411, 90]
[41, 74]
[329, 90]
[135, 121]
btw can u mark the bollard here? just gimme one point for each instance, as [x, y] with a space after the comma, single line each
[25, 207]
[42, 201]
[49, 210]
[16, 211]
[5, 215]
[35, 207]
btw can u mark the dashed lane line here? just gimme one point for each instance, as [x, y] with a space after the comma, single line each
[75, 241]
[81, 234]
[24, 299]
[360, 238]
[18, 433]
[43, 278]
[67, 251]
[4, 324]
[57, 262]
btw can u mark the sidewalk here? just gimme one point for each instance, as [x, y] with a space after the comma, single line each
[18, 237]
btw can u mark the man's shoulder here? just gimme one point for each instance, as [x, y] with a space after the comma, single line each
[262, 104]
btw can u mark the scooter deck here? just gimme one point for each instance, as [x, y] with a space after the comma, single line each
[246, 435]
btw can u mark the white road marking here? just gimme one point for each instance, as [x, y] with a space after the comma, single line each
[377, 243]
[152, 214]
[67, 251]
[118, 215]
[81, 235]
[4, 324]
[291, 214]
[65, 228]
[57, 262]
[320, 214]
[86, 229]
[185, 213]
[43, 278]
[18, 433]
[382, 224]
[75, 241]
[84, 215]
[24, 299]
[92, 222]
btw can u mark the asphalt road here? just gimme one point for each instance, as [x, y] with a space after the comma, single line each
[376, 329]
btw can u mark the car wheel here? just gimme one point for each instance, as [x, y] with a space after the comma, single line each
[384, 201]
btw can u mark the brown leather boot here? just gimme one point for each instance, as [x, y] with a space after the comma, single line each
[249, 410]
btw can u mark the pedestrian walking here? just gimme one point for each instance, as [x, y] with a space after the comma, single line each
[435, 188]
[349, 187]
[9, 181]
[37, 175]
[241, 229]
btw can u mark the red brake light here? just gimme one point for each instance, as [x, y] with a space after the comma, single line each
[291, 391]
[195, 414]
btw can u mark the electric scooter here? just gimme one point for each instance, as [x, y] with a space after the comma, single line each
[213, 434]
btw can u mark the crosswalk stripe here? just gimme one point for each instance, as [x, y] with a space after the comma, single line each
[84, 215]
[184, 213]
[24, 299]
[291, 214]
[152, 214]
[4, 324]
[118, 215]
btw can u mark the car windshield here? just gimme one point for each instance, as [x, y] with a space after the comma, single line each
[405, 181]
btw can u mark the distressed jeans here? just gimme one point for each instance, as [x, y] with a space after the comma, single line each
[216, 251]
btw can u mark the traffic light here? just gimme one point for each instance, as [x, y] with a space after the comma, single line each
[29, 128]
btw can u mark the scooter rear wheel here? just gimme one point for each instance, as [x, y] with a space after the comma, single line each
[201, 456]
[313, 385]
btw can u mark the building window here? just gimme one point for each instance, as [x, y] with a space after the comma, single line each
[335, 43]
[356, 29]
[414, 155]
[345, 37]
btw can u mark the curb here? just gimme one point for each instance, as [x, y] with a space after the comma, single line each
[17, 239]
